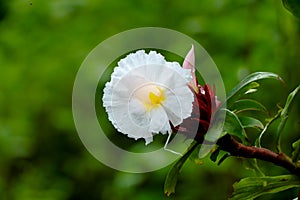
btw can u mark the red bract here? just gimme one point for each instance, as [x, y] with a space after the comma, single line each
[204, 106]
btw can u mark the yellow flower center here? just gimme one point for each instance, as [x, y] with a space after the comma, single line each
[157, 97]
[152, 96]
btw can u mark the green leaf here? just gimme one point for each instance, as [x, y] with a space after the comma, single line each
[233, 126]
[293, 6]
[296, 152]
[172, 176]
[247, 89]
[253, 187]
[247, 104]
[250, 122]
[250, 79]
[269, 122]
[284, 115]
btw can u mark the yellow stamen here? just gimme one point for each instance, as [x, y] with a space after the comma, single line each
[152, 96]
[157, 98]
[156, 95]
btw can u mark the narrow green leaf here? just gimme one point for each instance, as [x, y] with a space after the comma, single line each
[247, 89]
[284, 115]
[293, 6]
[247, 80]
[247, 104]
[296, 152]
[253, 187]
[250, 122]
[233, 126]
[172, 176]
[269, 122]
[289, 101]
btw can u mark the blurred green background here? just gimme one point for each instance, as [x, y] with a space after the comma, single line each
[42, 45]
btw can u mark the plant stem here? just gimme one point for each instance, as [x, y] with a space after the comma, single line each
[229, 144]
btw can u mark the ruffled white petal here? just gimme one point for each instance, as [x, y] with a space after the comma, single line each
[126, 96]
[184, 108]
[159, 121]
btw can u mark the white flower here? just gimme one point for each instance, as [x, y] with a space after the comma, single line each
[146, 93]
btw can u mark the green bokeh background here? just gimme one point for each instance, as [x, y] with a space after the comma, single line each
[42, 45]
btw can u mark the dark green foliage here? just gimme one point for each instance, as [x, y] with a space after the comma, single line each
[252, 187]
[293, 6]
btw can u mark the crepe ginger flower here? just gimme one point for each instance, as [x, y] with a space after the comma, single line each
[147, 95]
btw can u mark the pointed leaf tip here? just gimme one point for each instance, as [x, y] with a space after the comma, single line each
[189, 60]
[189, 63]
